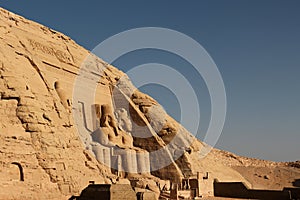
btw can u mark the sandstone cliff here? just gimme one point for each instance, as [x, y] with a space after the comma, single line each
[43, 155]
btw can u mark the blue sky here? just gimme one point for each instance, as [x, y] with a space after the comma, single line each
[255, 44]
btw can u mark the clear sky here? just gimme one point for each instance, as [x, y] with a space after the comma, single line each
[255, 44]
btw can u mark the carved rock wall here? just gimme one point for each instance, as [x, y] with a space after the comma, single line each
[36, 128]
[38, 137]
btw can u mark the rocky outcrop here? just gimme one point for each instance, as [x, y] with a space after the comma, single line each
[36, 129]
[46, 154]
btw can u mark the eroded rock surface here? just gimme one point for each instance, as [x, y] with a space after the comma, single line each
[47, 154]
[36, 128]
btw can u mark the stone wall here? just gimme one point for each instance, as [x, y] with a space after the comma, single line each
[239, 190]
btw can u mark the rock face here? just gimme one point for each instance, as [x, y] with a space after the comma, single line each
[36, 128]
[47, 154]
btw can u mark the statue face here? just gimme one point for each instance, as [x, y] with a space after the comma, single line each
[123, 120]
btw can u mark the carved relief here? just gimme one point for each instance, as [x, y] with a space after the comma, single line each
[112, 143]
[60, 55]
[66, 102]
